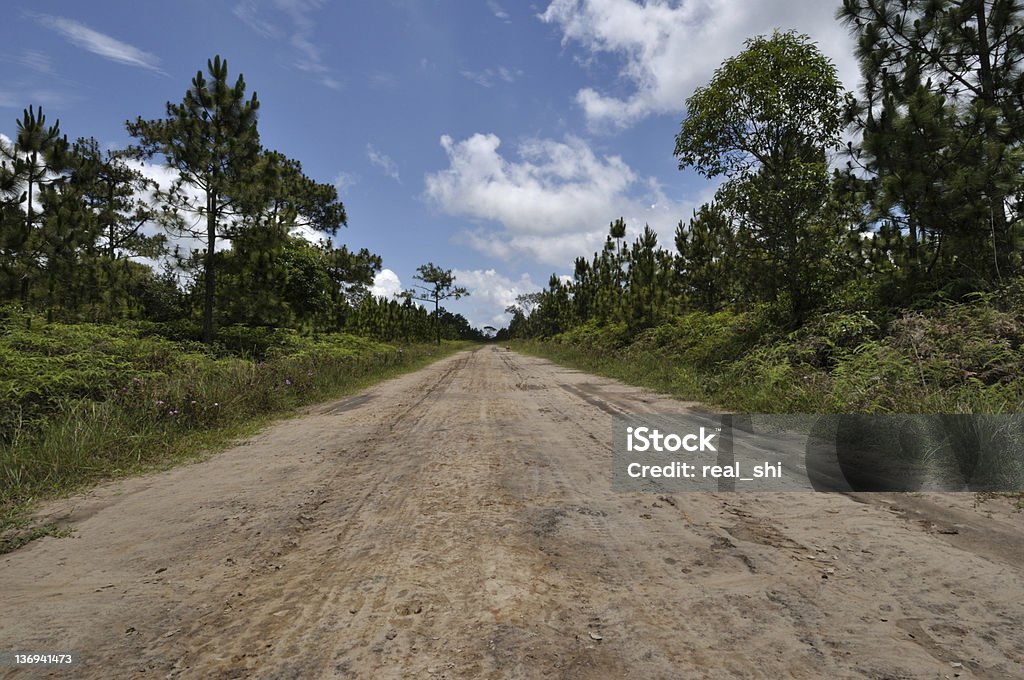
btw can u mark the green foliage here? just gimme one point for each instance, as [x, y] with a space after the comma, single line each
[950, 358]
[440, 286]
[831, 336]
[211, 140]
[942, 123]
[85, 401]
[766, 121]
[853, 281]
[707, 258]
[76, 256]
[33, 163]
[44, 364]
[769, 106]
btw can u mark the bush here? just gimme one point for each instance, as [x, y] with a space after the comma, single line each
[949, 358]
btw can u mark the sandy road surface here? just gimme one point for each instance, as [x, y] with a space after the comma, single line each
[459, 522]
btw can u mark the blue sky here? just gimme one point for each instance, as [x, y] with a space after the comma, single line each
[492, 137]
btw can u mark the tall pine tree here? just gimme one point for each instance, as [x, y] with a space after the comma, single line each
[210, 140]
[33, 162]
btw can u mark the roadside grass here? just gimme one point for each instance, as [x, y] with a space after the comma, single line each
[85, 403]
[963, 358]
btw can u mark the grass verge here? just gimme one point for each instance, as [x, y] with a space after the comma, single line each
[966, 358]
[120, 403]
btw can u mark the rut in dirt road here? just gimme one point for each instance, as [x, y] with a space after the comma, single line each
[459, 522]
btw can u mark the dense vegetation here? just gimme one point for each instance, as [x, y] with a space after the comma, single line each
[890, 284]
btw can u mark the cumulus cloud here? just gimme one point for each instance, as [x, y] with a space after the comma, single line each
[552, 204]
[384, 162]
[669, 47]
[101, 44]
[489, 294]
[556, 184]
[386, 284]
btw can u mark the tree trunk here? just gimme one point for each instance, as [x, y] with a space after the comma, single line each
[997, 207]
[28, 234]
[113, 297]
[437, 318]
[208, 271]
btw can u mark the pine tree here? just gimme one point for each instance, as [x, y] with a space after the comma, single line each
[704, 248]
[114, 196]
[34, 162]
[942, 120]
[648, 282]
[210, 139]
[268, 263]
[440, 286]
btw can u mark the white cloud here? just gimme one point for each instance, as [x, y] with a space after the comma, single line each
[28, 96]
[489, 76]
[498, 11]
[100, 43]
[297, 15]
[554, 185]
[386, 284]
[384, 162]
[345, 180]
[669, 47]
[553, 204]
[489, 294]
[165, 177]
[36, 60]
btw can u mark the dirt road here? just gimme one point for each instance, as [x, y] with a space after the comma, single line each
[459, 522]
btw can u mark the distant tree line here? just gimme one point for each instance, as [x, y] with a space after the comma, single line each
[84, 235]
[928, 205]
